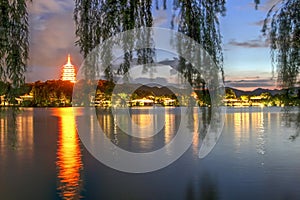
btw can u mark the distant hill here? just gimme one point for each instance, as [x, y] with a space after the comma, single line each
[156, 90]
[258, 91]
[145, 90]
[255, 92]
[159, 91]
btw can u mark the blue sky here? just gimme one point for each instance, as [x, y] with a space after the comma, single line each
[247, 62]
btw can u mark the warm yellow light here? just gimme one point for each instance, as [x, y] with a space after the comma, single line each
[68, 71]
[69, 162]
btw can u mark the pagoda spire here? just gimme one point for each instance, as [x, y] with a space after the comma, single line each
[69, 60]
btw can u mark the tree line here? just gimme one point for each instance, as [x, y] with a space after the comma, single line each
[54, 93]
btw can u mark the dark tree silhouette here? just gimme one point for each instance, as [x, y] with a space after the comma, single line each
[199, 20]
[282, 26]
[13, 41]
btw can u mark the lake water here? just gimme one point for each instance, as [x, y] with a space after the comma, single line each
[41, 157]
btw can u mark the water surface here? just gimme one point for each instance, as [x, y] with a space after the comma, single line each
[41, 157]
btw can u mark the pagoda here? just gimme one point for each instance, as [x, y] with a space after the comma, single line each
[68, 71]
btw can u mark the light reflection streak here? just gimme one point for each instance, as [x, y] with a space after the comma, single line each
[16, 131]
[169, 126]
[242, 125]
[169, 129]
[196, 137]
[3, 125]
[69, 162]
[25, 131]
[170, 120]
[248, 126]
[260, 146]
[142, 121]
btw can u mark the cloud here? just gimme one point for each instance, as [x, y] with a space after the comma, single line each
[268, 5]
[254, 43]
[50, 7]
[52, 37]
[260, 23]
[263, 6]
[254, 82]
[41, 11]
[161, 18]
[250, 80]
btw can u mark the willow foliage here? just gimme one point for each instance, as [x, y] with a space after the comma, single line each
[98, 20]
[282, 26]
[13, 41]
[200, 21]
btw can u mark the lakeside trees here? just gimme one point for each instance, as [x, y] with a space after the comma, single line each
[56, 93]
[49, 93]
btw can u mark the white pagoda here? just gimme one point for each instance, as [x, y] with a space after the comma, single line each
[68, 72]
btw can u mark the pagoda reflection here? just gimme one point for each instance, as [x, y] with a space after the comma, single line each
[69, 163]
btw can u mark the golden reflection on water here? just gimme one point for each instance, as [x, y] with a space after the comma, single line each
[69, 162]
[196, 138]
[242, 124]
[169, 126]
[250, 126]
[261, 138]
[170, 121]
[106, 123]
[16, 131]
[142, 120]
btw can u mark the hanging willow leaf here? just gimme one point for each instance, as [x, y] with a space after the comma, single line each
[199, 20]
[98, 20]
[13, 42]
[282, 25]
[256, 3]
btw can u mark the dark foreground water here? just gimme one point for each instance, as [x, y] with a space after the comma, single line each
[256, 157]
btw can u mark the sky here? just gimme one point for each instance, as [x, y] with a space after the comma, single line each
[247, 62]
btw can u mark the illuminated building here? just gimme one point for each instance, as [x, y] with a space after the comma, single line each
[68, 71]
